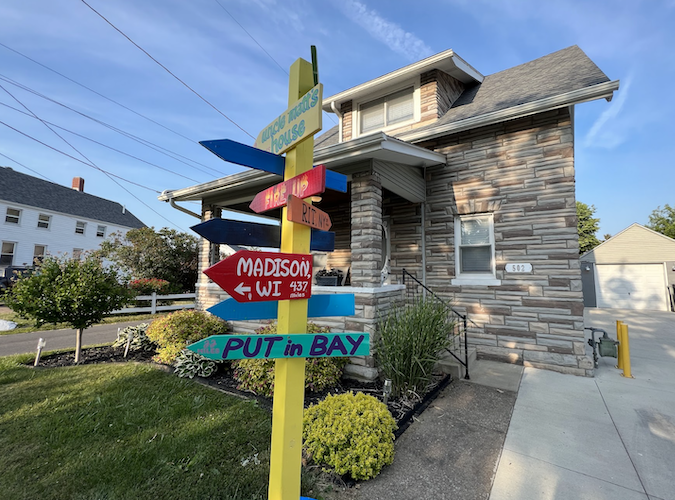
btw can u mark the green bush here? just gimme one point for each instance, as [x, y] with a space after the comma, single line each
[139, 339]
[189, 363]
[257, 375]
[350, 434]
[411, 339]
[173, 332]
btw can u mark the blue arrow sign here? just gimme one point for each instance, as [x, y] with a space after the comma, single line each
[241, 154]
[336, 181]
[318, 306]
[234, 232]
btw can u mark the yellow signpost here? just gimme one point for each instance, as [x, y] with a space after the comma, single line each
[289, 380]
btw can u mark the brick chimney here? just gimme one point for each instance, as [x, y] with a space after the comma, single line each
[78, 184]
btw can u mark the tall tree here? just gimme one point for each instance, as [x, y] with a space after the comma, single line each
[587, 226]
[166, 254]
[662, 220]
[77, 292]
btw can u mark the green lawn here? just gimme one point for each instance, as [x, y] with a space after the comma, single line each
[126, 431]
[27, 325]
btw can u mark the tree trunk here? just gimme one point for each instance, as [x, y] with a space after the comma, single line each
[78, 345]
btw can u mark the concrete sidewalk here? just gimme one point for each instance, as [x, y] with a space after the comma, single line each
[606, 437]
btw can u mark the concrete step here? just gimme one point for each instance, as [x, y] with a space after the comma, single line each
[448, 364]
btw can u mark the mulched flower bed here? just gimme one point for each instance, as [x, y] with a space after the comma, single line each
[402, 409]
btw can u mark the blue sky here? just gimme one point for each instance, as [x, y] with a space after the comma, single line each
[624, 149]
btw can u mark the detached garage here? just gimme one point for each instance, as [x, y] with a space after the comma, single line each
[633, 270]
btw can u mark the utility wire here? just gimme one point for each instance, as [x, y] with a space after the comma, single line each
[133, 137]
[101, 144]
[168, 71]
[28, 168]
[98, 93]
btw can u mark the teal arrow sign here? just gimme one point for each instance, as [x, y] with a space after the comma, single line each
[294, 345]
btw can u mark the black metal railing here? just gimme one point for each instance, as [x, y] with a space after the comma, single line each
[459, 347]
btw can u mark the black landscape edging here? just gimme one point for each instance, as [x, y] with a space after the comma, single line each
[405, 422]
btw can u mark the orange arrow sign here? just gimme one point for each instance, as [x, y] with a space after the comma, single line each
[304, 213]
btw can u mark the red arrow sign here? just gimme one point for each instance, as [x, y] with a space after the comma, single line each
[260, 276]
[304, 185]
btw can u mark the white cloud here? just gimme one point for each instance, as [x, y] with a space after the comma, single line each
[605, 132]
[387, 32]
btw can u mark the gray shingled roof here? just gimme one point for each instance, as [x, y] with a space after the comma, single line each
[16, 187]
[557, 73]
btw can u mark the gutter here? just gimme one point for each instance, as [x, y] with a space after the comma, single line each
[602, 90]
[339, 115]
[169, 198]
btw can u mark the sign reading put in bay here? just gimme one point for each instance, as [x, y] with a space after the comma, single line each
[255, 276]
[296, 345]
[301, 120]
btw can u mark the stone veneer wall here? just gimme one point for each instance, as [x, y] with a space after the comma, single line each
[346, 111]
[523, 172]
[207, 256]
[438, 91]
[366, 230]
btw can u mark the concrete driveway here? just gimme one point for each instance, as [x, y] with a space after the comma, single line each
[606, 437]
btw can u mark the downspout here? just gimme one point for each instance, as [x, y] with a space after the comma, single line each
[423, 207]
[339, 115]
[182, 209]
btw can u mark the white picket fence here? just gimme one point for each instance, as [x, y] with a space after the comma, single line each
[153, 308]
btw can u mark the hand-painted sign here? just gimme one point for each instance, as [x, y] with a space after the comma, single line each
[301, 120]
[241, 154]
[260, 276]
[294, 345]
[318, 306]
[304, 185]
[304, 213]
[234, 232]
[335, 181]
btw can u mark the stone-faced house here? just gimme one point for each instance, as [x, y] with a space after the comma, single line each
[467, 182]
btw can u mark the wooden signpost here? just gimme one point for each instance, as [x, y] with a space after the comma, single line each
[304, 213]
[268, 285]
[256, 276]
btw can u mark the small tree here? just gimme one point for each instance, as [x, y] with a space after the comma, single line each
[77, 292]
[587, 226]
[662, 220]
[165, 254]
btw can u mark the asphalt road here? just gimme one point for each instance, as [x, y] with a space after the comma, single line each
[20, 343]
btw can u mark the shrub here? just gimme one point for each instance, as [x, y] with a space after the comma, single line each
[146, 286]
[173, 332]
[350, 434]
[257, 375]
[411, 339]
[189, 363]
[139, 340]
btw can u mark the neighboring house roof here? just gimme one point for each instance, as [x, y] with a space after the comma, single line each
[556, 74]
[634, 245]
[23, 189]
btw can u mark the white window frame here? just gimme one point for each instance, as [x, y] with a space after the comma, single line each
[488, 278]
[356, 108]
[18, 217]
[100, 231]
[13, 254]
[44, 252]
[84, 227]
[48, 222]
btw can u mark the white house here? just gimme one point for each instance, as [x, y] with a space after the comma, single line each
[41, 218]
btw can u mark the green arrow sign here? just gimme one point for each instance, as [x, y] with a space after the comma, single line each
[295, 345]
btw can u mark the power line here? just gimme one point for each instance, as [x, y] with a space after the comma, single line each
[98, 93]
[28, 168]
[168, 71]
[101, 144]
[128, 135]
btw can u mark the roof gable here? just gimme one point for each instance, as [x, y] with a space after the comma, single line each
[636, 244]
[23, 189]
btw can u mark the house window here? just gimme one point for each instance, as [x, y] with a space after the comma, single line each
[7, 253]
[100, 232]
[13, 215]
[475, 250]
[80, 226]
[387, 111]
[39, 253]
[43, 221]
[77, 253]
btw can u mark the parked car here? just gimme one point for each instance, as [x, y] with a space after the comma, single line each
[14, 273]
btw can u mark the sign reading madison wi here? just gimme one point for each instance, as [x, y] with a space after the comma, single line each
[302, 119]
[260, 276]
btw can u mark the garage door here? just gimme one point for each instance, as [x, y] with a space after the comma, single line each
[631, 286]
